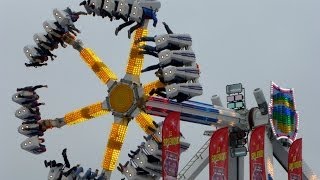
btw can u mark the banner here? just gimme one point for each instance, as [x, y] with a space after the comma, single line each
[218, 154]
[295, 160]
[256, 149]
[171, 146]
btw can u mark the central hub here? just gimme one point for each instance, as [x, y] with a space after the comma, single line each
[121, 98]
[124, 98]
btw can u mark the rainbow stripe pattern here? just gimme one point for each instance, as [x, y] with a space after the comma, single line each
[282, 112]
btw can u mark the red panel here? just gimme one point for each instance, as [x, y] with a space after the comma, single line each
[218, 154]
[171, 146]
[256, 149]
[295, 160]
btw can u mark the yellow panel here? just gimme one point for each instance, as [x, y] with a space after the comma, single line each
[83, 114]
[121, 98]
[144, 120]
[116, 139]
[152, 85]
[103, 72]
[135, 61]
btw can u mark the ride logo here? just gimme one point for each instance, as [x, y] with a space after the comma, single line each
[218, 154]
[256, 148]
[171, 146]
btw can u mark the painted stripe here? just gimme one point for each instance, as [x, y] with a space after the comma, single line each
[190, 103]
[184, 116]
[192, 106]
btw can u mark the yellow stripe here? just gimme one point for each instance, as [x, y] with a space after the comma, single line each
[152, 85]
[84, 114]
[116, 139]
[135, 61]
[144, 120]
[103, 72]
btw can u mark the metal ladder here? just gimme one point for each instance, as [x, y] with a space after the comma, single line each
[199, 157]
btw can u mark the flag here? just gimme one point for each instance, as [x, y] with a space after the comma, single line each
[256, 150]
[295, 160]
[171, 146]
[218, 154]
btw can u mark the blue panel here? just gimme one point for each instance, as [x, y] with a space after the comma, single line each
[206, 120]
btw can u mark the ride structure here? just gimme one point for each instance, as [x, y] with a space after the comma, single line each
[127, 99]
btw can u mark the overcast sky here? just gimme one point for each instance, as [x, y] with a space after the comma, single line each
[247, 41]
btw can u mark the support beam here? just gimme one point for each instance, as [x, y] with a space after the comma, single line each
[196, 112]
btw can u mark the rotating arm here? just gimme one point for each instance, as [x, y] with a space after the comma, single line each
[104, 73]
[51, 123]
[147, 88]
[85, 113]
[135, 60]
[116, 138]
[145, 122]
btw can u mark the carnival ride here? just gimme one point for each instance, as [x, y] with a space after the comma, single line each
[128, 99]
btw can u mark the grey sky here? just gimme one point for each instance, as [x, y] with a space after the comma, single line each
[246, 41]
